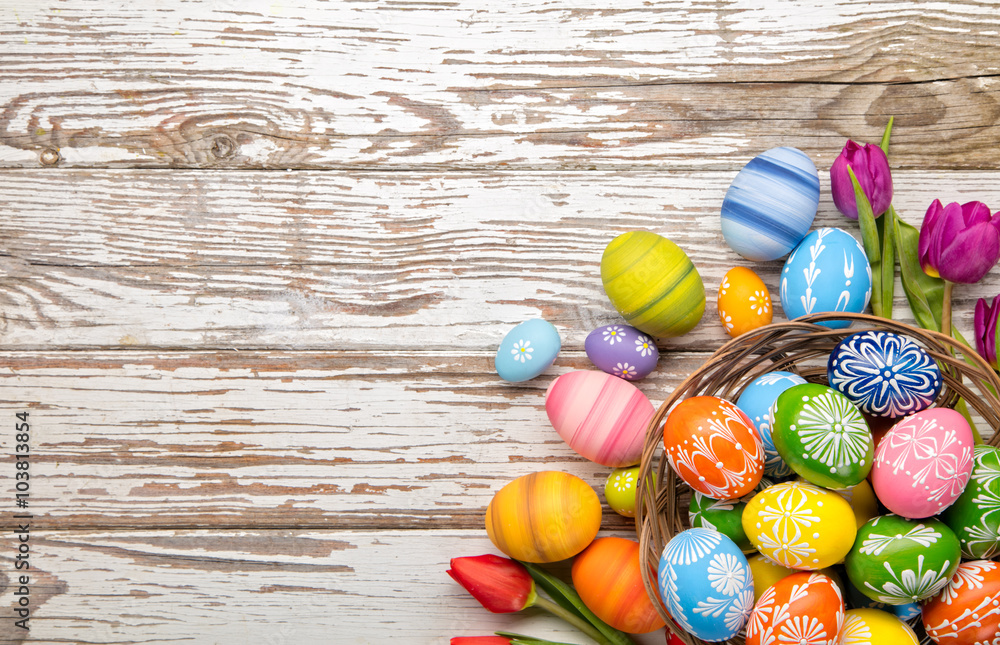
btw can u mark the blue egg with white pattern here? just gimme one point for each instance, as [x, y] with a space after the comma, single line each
[622, 350]
[827, 272]
[756, 401]
[771, 204]
[706, 583]
[527, 350]
[884, 374]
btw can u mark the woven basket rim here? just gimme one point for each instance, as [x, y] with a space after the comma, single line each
[777, 346]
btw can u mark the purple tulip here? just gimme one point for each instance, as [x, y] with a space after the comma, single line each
[985, 326]
[959, 243]
[871, 167]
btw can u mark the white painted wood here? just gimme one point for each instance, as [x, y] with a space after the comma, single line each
[574, 83]
[366, 261]
[267, 587]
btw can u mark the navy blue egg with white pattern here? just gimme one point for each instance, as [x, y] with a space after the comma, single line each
[622, 350]
[756, 401]
[771, 204]
[827, 272]
[884, 374]
[706, 583]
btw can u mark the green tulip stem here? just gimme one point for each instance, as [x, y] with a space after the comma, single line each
[946, 308]
[572, 619]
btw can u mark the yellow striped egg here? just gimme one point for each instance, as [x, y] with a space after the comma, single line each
[653, 284]
[544, 517]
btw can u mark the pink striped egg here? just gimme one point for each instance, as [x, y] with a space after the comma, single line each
[600, 416]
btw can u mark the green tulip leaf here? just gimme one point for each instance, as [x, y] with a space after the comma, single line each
[923, 292]
[887, 266]
[885, 136]
[521, 639]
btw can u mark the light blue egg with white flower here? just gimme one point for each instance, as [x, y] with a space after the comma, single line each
[706, 583]
[771, 204]
[527, 350]
[756, 401]
[827, 272]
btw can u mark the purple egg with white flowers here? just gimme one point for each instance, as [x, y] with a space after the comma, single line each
[622, 350]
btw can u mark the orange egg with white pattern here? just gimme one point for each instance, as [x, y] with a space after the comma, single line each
[744, 302]
[805, 608]
[967, 611]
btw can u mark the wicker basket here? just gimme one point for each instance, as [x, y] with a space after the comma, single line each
[801, 347]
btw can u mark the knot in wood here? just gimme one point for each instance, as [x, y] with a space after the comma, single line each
[223, 147]
[50, 157]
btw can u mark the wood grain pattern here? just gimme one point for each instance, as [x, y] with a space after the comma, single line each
[683, 84]
[258, 586]
[364, 261]
[285, 439]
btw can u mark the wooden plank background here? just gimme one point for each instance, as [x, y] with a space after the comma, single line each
[257, 256]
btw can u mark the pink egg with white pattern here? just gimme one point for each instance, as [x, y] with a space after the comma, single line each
[600, 416]
[923, 463]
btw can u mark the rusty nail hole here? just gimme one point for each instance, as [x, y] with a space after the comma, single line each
[50, 156]
[222, 147]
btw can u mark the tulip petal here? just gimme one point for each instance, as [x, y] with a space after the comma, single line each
[501, 585]
[841, 188]
[970, 255]
[931, 218]
[975, 213]
[990, 339]
[881, 178]
[979, 328]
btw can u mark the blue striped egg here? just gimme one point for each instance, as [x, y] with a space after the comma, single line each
[756, 401]
[706, 583]
[771, 204]
[827, 271]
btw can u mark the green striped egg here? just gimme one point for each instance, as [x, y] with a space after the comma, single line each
[653, 284]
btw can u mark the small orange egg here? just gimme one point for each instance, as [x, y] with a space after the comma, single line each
[744, 302]
[607, 577]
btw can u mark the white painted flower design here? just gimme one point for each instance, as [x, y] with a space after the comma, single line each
[726, 574]
[522, 350]
[760, 303]
[833, 430]
[802, 630]
[623, 481]
[727, 320]
[614, 334]
[624, 370]
[692, 545]
[725, 285]
[644, 346]
[910, 585]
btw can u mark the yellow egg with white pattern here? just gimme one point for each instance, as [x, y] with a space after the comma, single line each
[875, 627]
[800, 526]
[744, 302]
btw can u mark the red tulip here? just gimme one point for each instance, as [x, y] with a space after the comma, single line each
[499, 584]
[480, 640]
[959, 243]
[871, 167]
[985, 328]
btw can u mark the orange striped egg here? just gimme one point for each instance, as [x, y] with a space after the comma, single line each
[714, 447]
[607, 577]
[600, 416]
[544, 517]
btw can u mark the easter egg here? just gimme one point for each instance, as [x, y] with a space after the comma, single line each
[601, 417]
[771, 204]
[967, 611]
[622, 350]
[543, 517]
[862, 500]
[898, 561]
[827, 271]
[799, 525]
[766, 573]
[858, 600]
[884, 374]
[923, 463]
[821, 436]
[724, 516]
[875, 627]
[620, 490]
[608, 578]
[527, 350]
[706, 584]
[756, 401]
[744, 302]
[713, 447]
[652, 283]
[975, 515]
[805, 607]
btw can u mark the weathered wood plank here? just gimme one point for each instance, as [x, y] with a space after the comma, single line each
[271, 587]
[366, 261]
[568, 84]
[284, 438]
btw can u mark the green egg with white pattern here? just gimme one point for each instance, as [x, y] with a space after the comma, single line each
[975, 515]
[899, 561]
[822, 436]
[724, 516]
